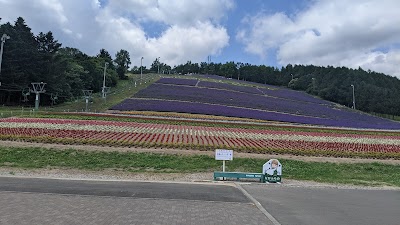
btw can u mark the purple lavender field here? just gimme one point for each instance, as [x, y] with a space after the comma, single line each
[177, 81]
[268, 90]
[181, 95]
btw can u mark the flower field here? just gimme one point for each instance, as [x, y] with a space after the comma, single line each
[245, 101]
[132, 134]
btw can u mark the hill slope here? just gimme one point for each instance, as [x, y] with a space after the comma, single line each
[224, 97]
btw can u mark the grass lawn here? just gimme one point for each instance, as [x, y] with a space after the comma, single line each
[123, 90]
[370, 174]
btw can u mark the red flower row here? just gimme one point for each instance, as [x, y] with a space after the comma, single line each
[196, 141]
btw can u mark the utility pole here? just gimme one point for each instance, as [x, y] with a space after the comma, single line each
[3, 40]
[354, 98]
[104, 80]
[158, 65]
[141, 69]
[37, 89]
[208, 63]
[238, 67]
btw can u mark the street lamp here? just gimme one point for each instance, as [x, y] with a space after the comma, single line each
[292, 75]
[158, 65]
[3, 40]
[238, 67]
[141, 67]
[104, 80]
[354, 98]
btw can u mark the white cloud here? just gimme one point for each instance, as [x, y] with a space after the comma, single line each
[191, 28]
[173, 12]
[179, 44]
[339, 33]
[56, 7]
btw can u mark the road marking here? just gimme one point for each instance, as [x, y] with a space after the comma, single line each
[259, 206]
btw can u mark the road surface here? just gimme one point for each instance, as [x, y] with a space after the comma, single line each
[56, 201]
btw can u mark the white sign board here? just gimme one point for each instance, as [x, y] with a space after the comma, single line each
[223, 154]
[272, 171]
[272, 167]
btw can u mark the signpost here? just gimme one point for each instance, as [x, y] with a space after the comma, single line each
[272, 171]
[223, 154]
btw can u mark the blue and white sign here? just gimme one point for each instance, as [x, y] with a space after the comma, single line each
[223, 154]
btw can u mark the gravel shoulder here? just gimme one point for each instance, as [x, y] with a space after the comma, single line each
[201, 178]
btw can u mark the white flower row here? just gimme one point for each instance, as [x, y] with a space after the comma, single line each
[204, 132]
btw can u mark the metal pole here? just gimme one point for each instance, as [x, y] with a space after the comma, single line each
[1, 52]
[141, 69]
[37, 101]
[354, 98]
[158, 65]
[3, 40]
[104, 80]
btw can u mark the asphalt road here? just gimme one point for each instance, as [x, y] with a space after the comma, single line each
[52, 201]
[185, 191]
[327, 205]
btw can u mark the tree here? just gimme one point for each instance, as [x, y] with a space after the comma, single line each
[19, 67]
[155, 65]
[51, 65]
[104, 54]
[122, 61]
[47, 44]
[106, 57]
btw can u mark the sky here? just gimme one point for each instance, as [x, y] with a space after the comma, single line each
[356, 33]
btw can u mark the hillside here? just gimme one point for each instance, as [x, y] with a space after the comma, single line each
[213, 95]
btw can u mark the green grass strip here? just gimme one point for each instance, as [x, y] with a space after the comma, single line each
[370, 174]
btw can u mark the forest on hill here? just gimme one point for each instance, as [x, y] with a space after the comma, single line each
[29, 58]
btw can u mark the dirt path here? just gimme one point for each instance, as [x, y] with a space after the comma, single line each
[195, 152]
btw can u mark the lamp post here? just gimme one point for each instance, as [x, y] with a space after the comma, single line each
[104, 80]
[292, 75]
[238, 67]
[141, 69]
[3, 40]
[158, 65]
[354, 98]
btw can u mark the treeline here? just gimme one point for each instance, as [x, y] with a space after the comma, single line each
[66, 71]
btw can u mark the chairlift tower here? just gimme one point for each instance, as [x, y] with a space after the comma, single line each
[87, 94]
[53, 98]
[38, 88]
[105, 91]
[25, 93]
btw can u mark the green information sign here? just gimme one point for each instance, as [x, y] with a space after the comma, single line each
[273, 179]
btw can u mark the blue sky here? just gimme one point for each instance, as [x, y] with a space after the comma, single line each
[234, 52]
[357, 33]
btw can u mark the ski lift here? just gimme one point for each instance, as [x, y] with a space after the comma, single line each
[25, 93]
